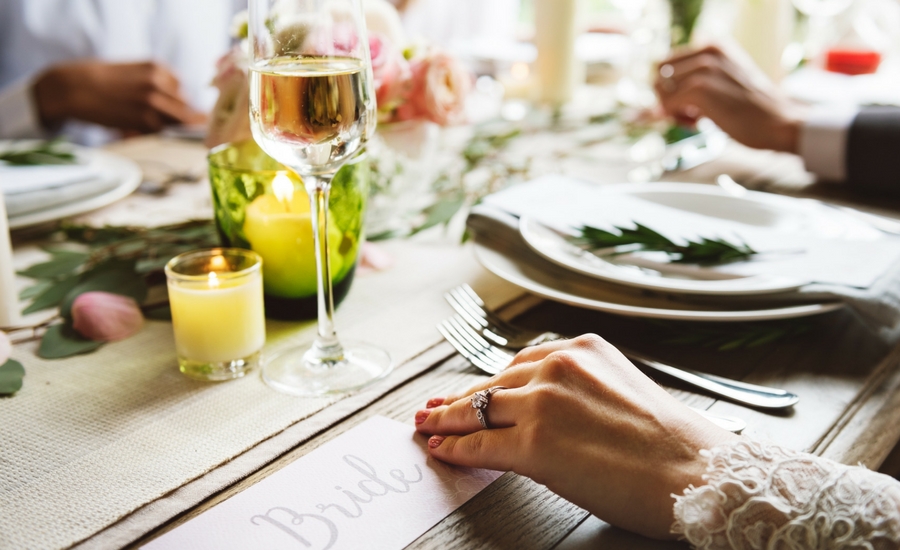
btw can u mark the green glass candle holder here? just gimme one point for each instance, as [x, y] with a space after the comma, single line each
[262, 206]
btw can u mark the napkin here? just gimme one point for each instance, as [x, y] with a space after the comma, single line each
[25, 179]
[494, 224]
[30, 189]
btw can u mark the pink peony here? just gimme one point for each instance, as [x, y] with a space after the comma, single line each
[440, 85]
[5, 348]
[230, 119]
[106, 317]
[390, 70]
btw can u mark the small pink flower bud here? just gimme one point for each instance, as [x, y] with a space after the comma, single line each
[373, 258]
[5, 347]
[106, 317]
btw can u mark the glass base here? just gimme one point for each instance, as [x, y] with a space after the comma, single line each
[218, 372]
[291, 373]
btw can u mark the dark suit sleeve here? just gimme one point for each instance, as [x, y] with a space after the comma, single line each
[873, 150]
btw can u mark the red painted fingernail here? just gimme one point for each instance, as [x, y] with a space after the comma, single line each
[421, 416]
[436, 441]
[435, 402]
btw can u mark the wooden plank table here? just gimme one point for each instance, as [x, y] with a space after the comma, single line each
[847, 377]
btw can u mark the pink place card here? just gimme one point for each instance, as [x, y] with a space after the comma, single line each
[373, 487]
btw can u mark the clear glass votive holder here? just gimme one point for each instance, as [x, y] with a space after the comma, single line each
[216, 297]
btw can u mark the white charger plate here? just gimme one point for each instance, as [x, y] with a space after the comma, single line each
[760, 210]
[547, 280]
[123, 170]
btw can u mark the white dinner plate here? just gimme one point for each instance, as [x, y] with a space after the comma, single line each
[547, 280]
[752, 213]
[126, 176]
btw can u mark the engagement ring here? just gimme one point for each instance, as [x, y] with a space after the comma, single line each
[480, 401]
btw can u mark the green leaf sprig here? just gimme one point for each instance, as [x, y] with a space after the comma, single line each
[45, 152]
[119, 260]
[704, 251]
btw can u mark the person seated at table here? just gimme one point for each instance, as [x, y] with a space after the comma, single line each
[128, 65]
[856, 145]
[578, 417]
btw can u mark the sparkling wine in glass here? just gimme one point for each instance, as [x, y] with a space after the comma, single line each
[312, 108]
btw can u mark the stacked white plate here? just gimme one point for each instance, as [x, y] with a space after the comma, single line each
[40, 194]
[809, 253]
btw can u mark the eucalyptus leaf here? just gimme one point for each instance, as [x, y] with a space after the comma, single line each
[116, 281]
[60, 252]
[98, 235]
[11, 374]
[161, 313]
[149, 265]
[384, 235]
[53, 295]
[58, 266]
[440, 213]
[35, 290]
[62, 341]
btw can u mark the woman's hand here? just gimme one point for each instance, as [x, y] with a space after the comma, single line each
[579, 418]
[142, 97]
[736, 96]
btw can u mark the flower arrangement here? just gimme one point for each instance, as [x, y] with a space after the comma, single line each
[411, 81]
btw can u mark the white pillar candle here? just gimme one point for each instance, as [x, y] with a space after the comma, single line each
[9, 301]
[764, 29]
[556, 27]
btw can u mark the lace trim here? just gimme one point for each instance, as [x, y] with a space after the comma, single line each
[767, 497]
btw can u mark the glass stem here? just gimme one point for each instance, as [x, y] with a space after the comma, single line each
[326, 349]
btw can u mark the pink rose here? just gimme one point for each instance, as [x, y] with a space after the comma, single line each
[390, 70]
[230, 118]
[440, 85]
[105, 317]
[338, 40]
[5, 348]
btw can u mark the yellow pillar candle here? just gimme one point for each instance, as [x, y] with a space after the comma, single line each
[278, 227]
[216, 298]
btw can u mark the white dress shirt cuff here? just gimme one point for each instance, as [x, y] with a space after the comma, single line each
[18, 113]
[823, 140]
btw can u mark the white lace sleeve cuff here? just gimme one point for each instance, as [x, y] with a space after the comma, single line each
[764, 496]
[18, 113]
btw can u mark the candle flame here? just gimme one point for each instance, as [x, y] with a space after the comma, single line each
[218, 263]
[283, 188]
[213, 280]
[520, 71]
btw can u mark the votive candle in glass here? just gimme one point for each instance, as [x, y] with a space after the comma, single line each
[216, 297]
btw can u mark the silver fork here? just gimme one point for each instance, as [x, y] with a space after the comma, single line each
[505, 337]
[492, 360]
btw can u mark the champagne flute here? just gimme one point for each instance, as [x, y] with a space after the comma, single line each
[312, 108]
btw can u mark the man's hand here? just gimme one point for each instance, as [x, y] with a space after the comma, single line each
[138, 97]
[739, 99]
